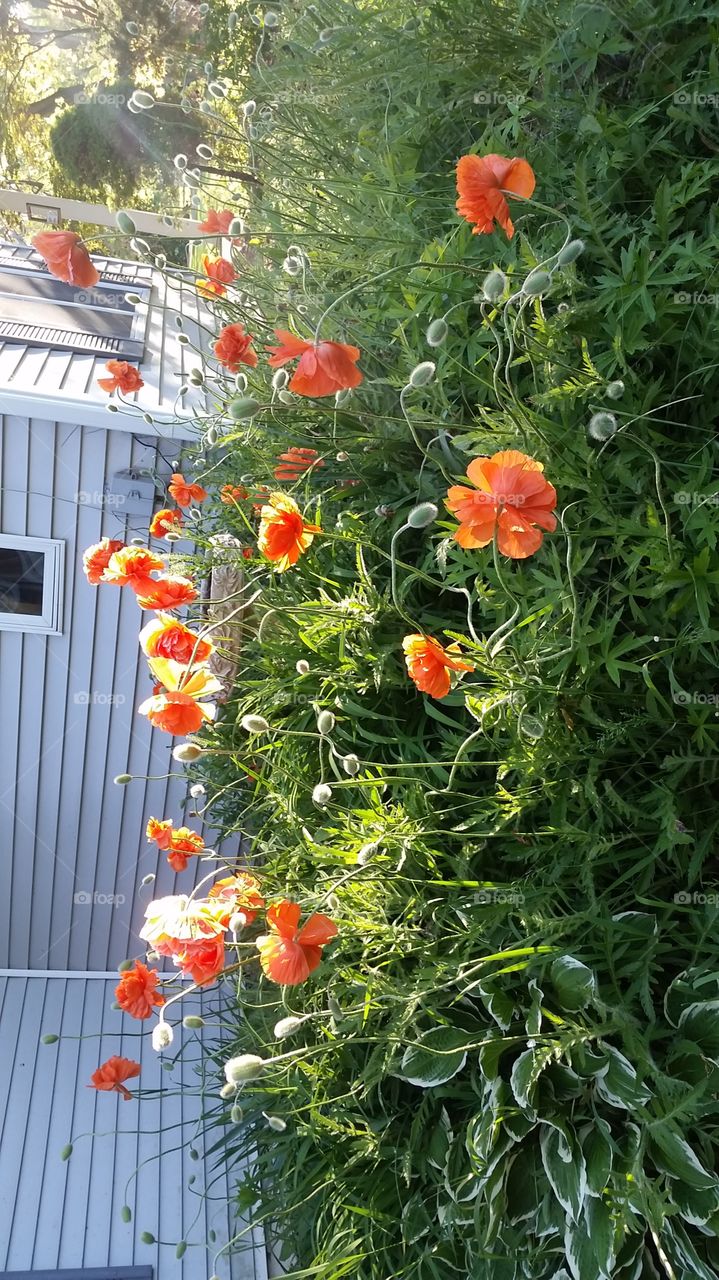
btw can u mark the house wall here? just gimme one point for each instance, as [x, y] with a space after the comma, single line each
[56, 1214]
[69, 722]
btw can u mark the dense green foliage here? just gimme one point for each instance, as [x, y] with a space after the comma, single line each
[509, 1058]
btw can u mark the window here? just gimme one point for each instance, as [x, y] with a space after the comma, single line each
[38, 310]
[31, 579]
[87, 1273]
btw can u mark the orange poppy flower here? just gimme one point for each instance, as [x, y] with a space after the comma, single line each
[176, 709]
[190, 932]
[219, 273]
[283, 535]
[481, 184]
[429, 664]
[136, 993]
[167, 637]
[165, 521]
[217, 222]
[66, 258]
[132, 566]
[178, 842]
[511, 499]
[160, 832]
[262, 491]
[230, 493]
[185, 492]
[167, 593]
[324, 367]
[289, 955]
[124, 377]
[234, 347]
[97, 557]
[295, 462]
[238, 893]
[110, 1077]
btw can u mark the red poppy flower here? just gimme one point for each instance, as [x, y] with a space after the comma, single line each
[184, 844]
[167, 637]
[165, 521]
[283, 535]
[66, 258]
[295, 462]
[124, 377]
[185, 492]
[429, 664]
[234, 347]
[97, 557]
[217, 222]
[511, 499]
[324, 367]
[219, 273]
[289, 955]
[481, 183]
[190, 932]
[238, 893]
[110, 1077]
[166, 593]
[230, 493]
[136, 991]
[132, 566]
[176, 708]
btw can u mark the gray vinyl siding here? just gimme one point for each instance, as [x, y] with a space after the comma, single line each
[66, 827]
[56, 1214]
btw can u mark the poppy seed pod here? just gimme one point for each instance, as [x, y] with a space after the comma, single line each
[126, 1213]
[217, 90]
[422, 374]
[570, 252]
[147, 1237]
[255, 724]
[275, 1122]
[193, 1020]
[247, 1066]
[249, 108]
[236, 1115]
[437, 332]
[325, 723]
[125, 223]
[50, 1038]
[602, 426]
[187, 752]
[287, 1027]
[143, 100]
[351, 764]
[243, 409]
[122, 779]
[322, 794]
[181, 1249]
[286, 397]
[66, 1152]
[422, 515]
[211, 436]
[537, 283]
[615, 390]
[280, 379]
[240, 382]
[494, 285]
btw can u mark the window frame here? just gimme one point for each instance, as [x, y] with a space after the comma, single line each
[49, 622]
[84, 1273]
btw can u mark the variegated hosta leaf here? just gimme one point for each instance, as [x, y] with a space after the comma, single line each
[436, 1058]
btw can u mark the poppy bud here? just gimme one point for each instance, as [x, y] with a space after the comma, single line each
[326, 34]
[147, 1237]
[271, 19]
[197, 790]
[275, 1122]
[286, 397]
[162, 1036]
[322, 794]
[132, 28]
[183, 340]
[180, 161]
[532, 727]
[249, 108]
[50, 1038]
[342, 456]
[237, 227]
[232, 21]
[203, 151]
[237, 922]
[494, 285]
[125, 223]
[537, 283]
[341, 397]
[255, 724]
[302, 667]
[247, 1066]
[615, 390]
[122, 779]
[143, 100]
[287, 1027]
[125, 965]
[280, 379]
[187, 752]
[145, 881]
[351, 764]
[194, 1153]
[437, 332]
[181, 1249]
[244, 408]
[66, 1152]
[236, 1115]
[366, 852]
[148, 418]
[570, 252]
[133, 298]
[228, 1090]
[422, 374]
[196, 377]
[602, 426]
[126, 1213]
[112, 408]
[325, 723]
[240, 382]
[422, 515]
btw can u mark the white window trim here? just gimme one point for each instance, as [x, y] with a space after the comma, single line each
[49, 622]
